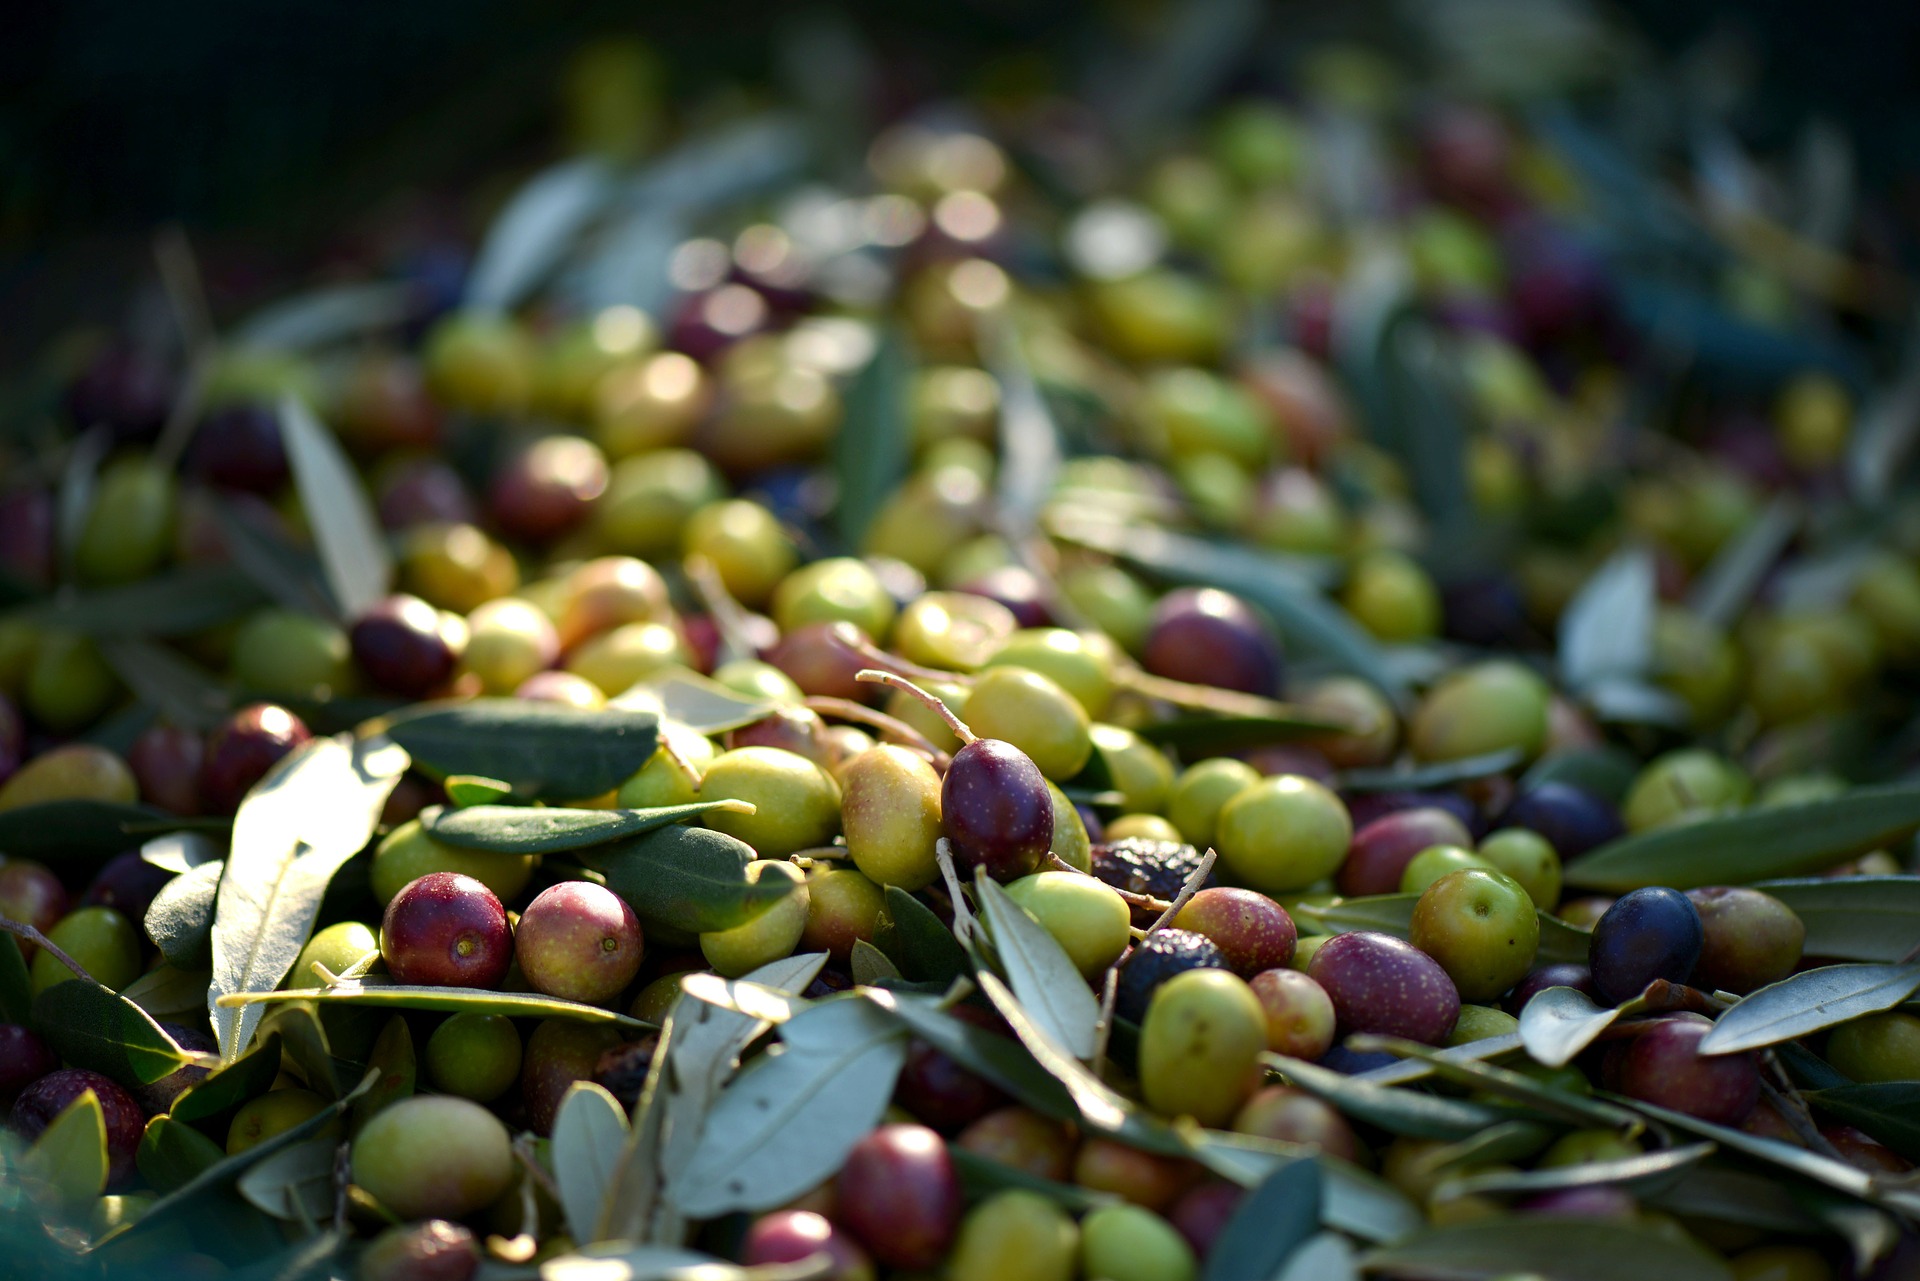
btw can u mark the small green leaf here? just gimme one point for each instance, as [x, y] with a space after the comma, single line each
[1403, 1112]
[918, 941]
[1513, 1087]
[169, 994]
[1043, 977]
[16, 984]
[310, 1050]
[70, 833]
[1000, 1059]
[981, 1176]
[875, 441]
[352, 547]
[522, 829]
[545, 750]
[471, 789]
[693, 878]
[173, 1154]
[1606, 631]
[399, 1071]
[176, 602]
[1721, 592]
[1229, 733]
[1563, 1248]
[180, 918]
[182, 692]
[1647, 1172]
[70, 1156]
[1605, 771]
[589, 1136]
[1352, 1199]
[92, 1027]
[1270, 1222]
[451, 1000]
[1888, 1110]
[1837, 1175]
[296, 1183]
[540, 223]
[1809, 1001]
[1325, 1256]
[789, 1119]
[700, 703]
[1758, 844]
[870, 964]
[1426, 777]
[230, 1085]
[1854, 918]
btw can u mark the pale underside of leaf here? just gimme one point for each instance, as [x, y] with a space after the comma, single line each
[1808, 1002]
[1042, 976]
[589, 1135]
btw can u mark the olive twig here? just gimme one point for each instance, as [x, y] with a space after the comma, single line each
[1195, 879]
[846, 709]
[1103, 1026]
[851, 638]
[893, 680]
[1145, 901]
[678, 760]
[1793, 1109]
[1223, 702]
[35, 937]
[536, 1174]
[962, 914]
[729, 616]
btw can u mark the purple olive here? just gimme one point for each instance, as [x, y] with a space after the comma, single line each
[1207, 637]
[996, 810]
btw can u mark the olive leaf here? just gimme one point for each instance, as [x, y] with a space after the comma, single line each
[1888, 1110]
[692, 878]
[1721, 592]
[310, 1050]
[1029, 437]
[231, 1084]
[183, 692]
[353, 550]
[698, 1048]
[294, 1183]
[1606, 630]
[70, 1156]
[1270, 1222]
[1516, 1088]
[1837, 1175]
[535, 230]
[1426, 777]
[1738, 849]
[172, 1153]
[282, 570]
[1352, 1200]
[167, 993]
[1325, 1256]
[700, 703]
[1228, 733]
[78, 832]
[180, 918]
[1809, 1001]
[1854, 918]
[1732, 1194]
[96, 1028]
[399, 1071]
[181, 852]
[1559, 1022]
[1606, 771]
[521, 829]
[1043, 977]
[1404, 1112]
[323, 316]
[311, 813]
[870, 964]
[1566, 1249]
[1645, 1173]
[174, 602]
[917, 941]
[875, 441]
[790, 1118]
[982, 1176]
[471, 789]
[375, 993]
[546, 751]
[589, 1136]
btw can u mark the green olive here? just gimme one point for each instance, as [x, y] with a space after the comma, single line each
[129, 527]
[650, 498]
[745, 542]
[1202, 791]
[1141, 773]
[1081, 663]
[890, 812]
[838, 589]
[957, 631]
[797, 804]
[1034, 714]
[767, 937]
[407, 853]
[101, 940]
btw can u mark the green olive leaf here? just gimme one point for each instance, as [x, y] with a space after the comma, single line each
[231, 1084]
[1559, 1022]
[296, 1183]
[376, 994]
[1854, 918]
[311, 813]
[1043, 977]
[77, 833]
[324, 316]
[589, 1137]
[1229, 733]
[790, 1118]
[399, 1071]
[173, 1154]
[982, 1176]
[1439, 774]
[870, 965]
[352, 547]
[1270, 1223]
[1564, 1248]
[180, 918]
[1753, 845]
[1809, 1001]
[1723, 588]
[175, 602]
[96, 1028]
[1606, 630]
[1643, 1174]
[471, 789]
[522, 829]
[1515, 1087]
[539, 224]
[183, 692]
[1353, 1200]
[692, 878]
[917, 941]
[70, 1156]
[1409, 1113]
[546, 751]
[875, 441]
[170, 994]
[1000, 1059]
[1888, 1110]
[1606, 771]
[684, 697]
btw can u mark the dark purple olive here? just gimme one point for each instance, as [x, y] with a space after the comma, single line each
[401, 643]
[1353, 1062]
[13, 739]
[239, 447]
[820, 660]
[242, 751]
[126, 388]
[1572, 819]
[1561, 974]
[27, 536]
[54, 1093]
[1383, 984]
[24, 1059]
[1370, 807]
[1663, 1066]
[127, 884]
[1207, 637]
[548, 488]
[1016, 587]
[157, 1096]
[1486, 611]
[424, 491]
[1648, 934]
[166, 762]
[446, 930]
[996, 810]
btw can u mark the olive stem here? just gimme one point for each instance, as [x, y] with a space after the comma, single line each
[677, 759]
[342, 1177]
[893, 680]
[850, 638]
[1146, 901]
[1103, 1026]
[35, 937]
[1195, 879]
[1224, 702]
[1912, 954]
[962, 914]
[728, 615]
[846, 709]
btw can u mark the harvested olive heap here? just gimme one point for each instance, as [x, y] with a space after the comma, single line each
[1290, 702]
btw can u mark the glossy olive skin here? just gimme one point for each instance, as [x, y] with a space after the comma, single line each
[1022, 1139]
[433, 1155]
[1648, 934]
[899, 1194]
[31, 894]
[1252, 931]
[1282, 834]
[239, 447]
[103, 942]
[938, 1091]
[1144, 1178]
[548, 488]
[251, 742]
[1382, 849]
[46, 1098]
[1199, 1045]
[166, 763]
[270, 1114]
[24, 1059]
[1663, 1066]
[1015, 1235]
[1300, 1014]
[843, 907]
[476, 1056]
[996, 810]
[1294, 1116]
[1748, 938]
[890, 815]
[402, 646]
[788, 1236]
[127, 884]
[432, 1251]
[1382, 984]
[1208, 637]
[446, 930]
[1481, 926]
[1559, 974]
[580, 942]
[1203, 1211]
[1878, 1047]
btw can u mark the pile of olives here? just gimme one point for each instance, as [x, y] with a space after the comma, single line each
[1251, 843]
